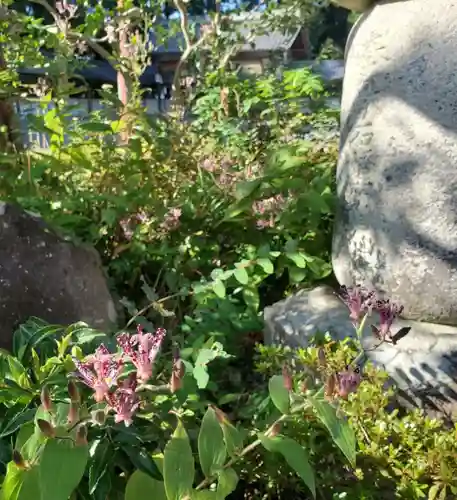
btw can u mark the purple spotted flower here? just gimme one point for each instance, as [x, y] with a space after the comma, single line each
[348, 381]
[358, 300]
[99, 372]
[388, 311]
[124, 400]
[142, 349]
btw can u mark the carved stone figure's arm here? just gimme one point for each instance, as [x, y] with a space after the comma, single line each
[357, 5]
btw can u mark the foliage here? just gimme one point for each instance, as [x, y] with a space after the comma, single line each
[400, 454]
[72, 445]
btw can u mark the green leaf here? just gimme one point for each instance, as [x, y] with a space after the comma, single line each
[178, 465]
[61, 468]
[340, 430]
[246, 188]
[93, 126]
[20, 484]
[296, 275]
[297, 258]
[143, 461]
[251, 297]
[218, 288]
[99, 462]
[279, 394]
[266, 265]
[241, 275]
[233, 438]
[142, 486]
[227, 481]
[13, 424]
[295, 456]
[211, 445]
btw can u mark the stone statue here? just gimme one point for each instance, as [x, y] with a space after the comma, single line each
[396, 225]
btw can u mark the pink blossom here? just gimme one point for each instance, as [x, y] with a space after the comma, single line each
[99, 371]
[358, 300]
[388, 311]
[124, 400]
[142, 350]
[348, 381]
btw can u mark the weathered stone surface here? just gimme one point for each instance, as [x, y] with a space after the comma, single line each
[423, 364]
[45, 276]
[396, 229]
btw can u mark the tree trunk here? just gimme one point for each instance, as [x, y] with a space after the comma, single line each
[10, 135]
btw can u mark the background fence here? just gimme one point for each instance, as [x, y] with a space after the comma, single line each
[82, 109]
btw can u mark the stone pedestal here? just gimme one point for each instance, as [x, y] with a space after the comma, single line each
[396, 229]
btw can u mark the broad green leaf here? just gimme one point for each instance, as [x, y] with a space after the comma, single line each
[295, 456]
[18, 373]
[251, 297]
[61, 468]
[178, 465]
[143, 461]
[17, 421]
[218, 288]
[340, 430]
[233, 438]
[266, 265]
[241, 275]
[297, 258]
[227, 481]
[279, 394]
[204, 495]
[244, 189]
[296, 275]
[101, 454]
[142, 486]
[20, 484]
[211, 445]
[201, 375]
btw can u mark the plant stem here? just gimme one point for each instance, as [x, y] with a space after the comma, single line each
[250, 447]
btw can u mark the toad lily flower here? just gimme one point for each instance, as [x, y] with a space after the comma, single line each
[358, 300]
[388, 311]
[124, 400]
[99, 372]
[142, 350]
[348, 381]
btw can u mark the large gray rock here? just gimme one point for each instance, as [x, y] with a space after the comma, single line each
[45, 276]
[423, 364]
[396, 229]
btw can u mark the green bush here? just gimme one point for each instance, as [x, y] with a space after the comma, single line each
[400, 454]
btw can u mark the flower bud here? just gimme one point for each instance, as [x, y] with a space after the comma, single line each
[73, 391]
[220, 415]
[321, 357]
[46, 399]
[18, 459]
[46, 428]
[288, 384]
[81, 436]
[177, 375]
[98, 417]
[73, 413]
[330, 386]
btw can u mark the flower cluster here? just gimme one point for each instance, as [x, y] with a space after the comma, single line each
[102, 371]
[171, 220]
[362, 302]
[267, 209]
